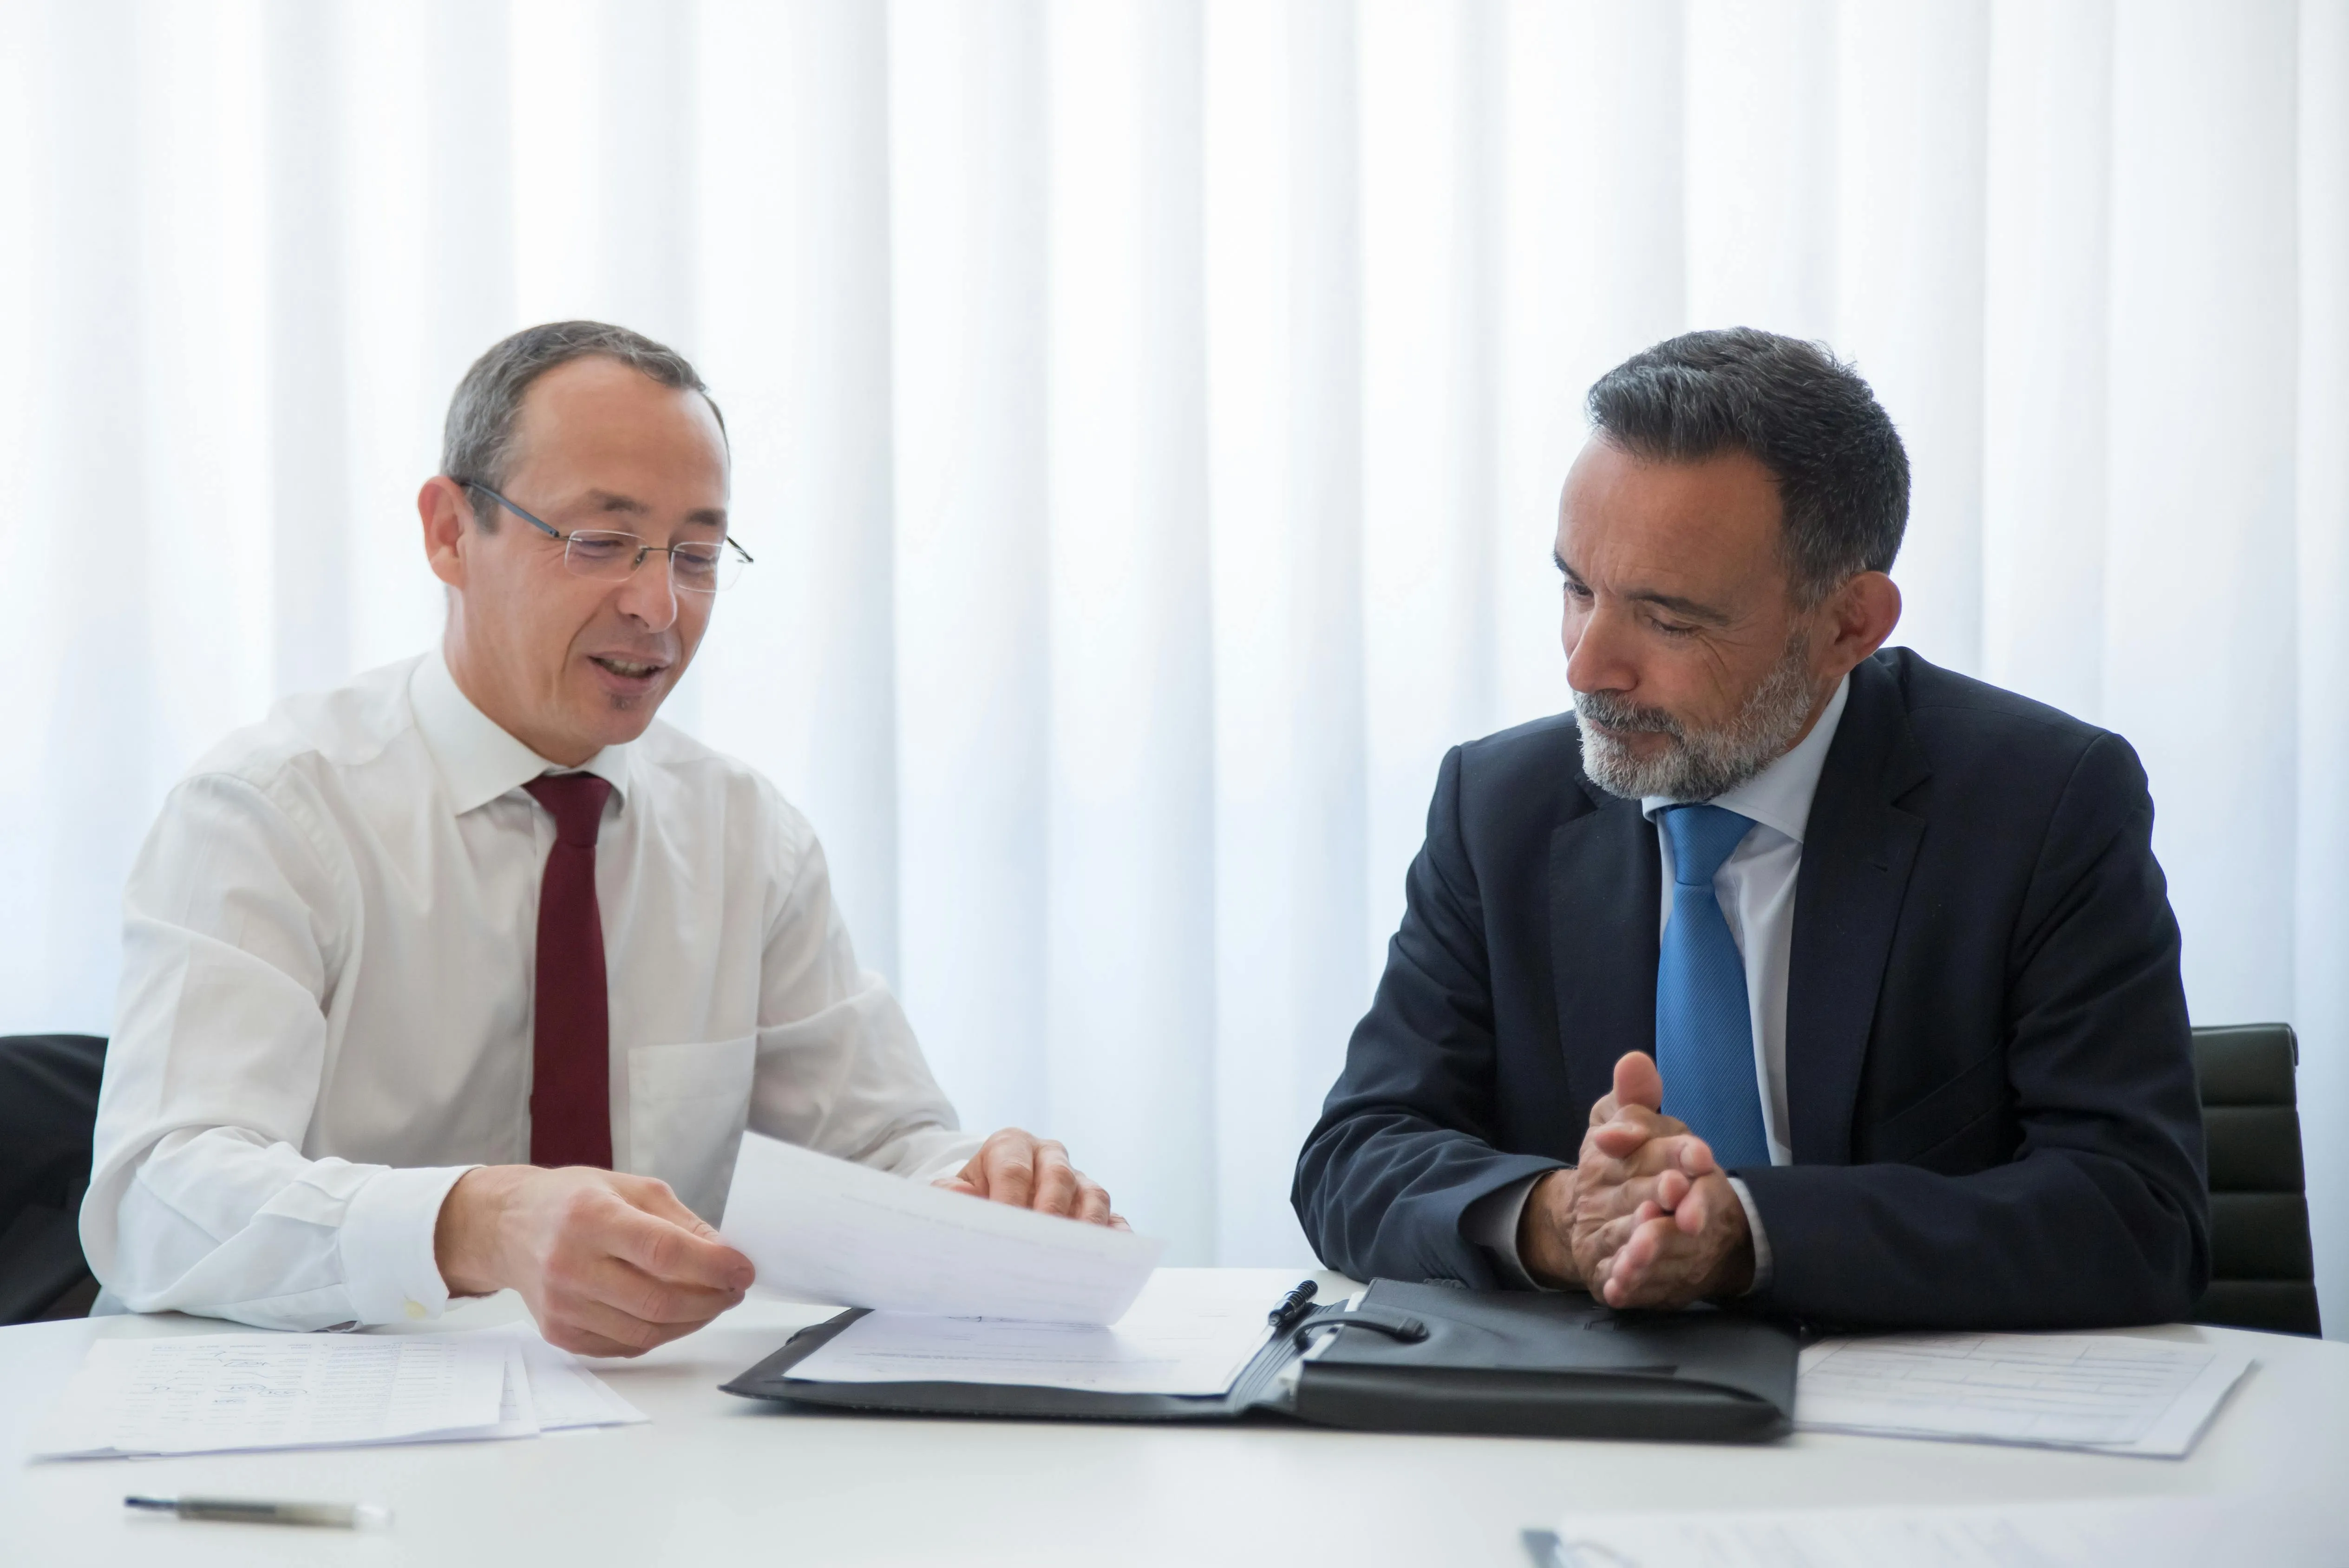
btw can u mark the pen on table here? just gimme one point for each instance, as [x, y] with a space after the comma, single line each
[249, 1510]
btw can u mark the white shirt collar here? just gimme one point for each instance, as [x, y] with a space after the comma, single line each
[477, 760]
[1780, 795]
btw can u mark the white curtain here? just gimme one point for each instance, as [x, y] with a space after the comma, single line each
[1148, 415]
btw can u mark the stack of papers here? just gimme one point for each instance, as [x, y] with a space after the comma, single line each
[236, 1391]
[2147, 1533]
[1191, 1332]
[2104, 1393]
[826, 1230]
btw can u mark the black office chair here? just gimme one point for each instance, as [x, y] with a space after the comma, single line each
[2262, 1268]
[49, 1103]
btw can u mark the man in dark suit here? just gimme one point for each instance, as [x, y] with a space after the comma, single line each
[1783, 968]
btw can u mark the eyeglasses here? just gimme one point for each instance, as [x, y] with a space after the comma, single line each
[695, 567]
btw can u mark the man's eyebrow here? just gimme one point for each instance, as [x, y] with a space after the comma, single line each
[611, 501]
[1687, 608]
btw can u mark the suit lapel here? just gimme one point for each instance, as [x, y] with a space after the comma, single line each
[1858, 851]
[1605, 882]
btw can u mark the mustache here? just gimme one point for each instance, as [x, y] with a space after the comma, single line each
[1610, 711]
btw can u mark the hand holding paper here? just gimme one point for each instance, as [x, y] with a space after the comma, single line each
[825, 1230]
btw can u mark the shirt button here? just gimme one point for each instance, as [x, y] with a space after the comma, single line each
[416, 1309]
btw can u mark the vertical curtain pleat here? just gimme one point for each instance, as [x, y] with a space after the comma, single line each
[2199, 652]
[1149, 415]
[968, 179]
[1130, 969]
[2320, 1001]
[2047, 246]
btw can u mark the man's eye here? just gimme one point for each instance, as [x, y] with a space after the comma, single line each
[1670, 628]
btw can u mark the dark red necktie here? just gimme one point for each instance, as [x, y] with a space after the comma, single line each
[571, 1027]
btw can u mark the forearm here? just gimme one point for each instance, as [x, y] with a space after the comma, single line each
[1386, 1195]
[222, 1225]
[2060, 1240]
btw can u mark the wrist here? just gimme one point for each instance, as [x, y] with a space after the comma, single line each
[1545, 1233]
[465, 1237]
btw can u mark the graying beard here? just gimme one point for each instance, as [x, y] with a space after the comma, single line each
[1703, 763]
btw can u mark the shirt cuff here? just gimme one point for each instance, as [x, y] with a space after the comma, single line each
[388, 1264]
[1761, 1237]
[1491, 1222]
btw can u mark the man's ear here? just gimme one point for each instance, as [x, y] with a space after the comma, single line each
[1859, 616]
[447, 514]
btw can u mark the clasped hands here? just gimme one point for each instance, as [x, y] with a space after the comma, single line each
[1646, 1218]
[613, 1265]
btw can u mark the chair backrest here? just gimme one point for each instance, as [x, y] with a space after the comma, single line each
[48, 1104]
[2262, 1268]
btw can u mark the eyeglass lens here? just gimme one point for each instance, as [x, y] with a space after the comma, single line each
[696, 568]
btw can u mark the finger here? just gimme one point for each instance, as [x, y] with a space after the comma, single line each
[581, 1341]
[1603, 1109]
[1008, 1161]
[1056, 1181]
[1673, 1189]
[1650, 1157]
[1118, 1223]
[619, 1284]
[1708, 1201]
[1637, 1082]
[1092, 1204]
[669, 1252]
[958, 1184]
[633, 1334]
[1634, 1260]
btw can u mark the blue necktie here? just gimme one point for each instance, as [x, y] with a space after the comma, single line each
[1705, 1035]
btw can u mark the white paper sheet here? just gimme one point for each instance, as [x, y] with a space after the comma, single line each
[227, 1392]
[824, 1230]
[277, 1391]
[2109, 1394]
[2142, 1533]
[1190, 1331]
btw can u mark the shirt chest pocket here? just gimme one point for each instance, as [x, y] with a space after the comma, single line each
[687, 1106]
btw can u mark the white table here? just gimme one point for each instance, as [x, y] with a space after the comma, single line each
[715, 1480]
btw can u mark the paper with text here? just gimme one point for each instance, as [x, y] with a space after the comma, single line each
[2142, 1533]
[2108, 1393]
[222, 1393]
[1190, 1331]
[277, 1391]
[826, 1230]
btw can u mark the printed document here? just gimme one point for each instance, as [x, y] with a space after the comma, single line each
[220, 1393]
[2141, 1533]
[1190, 1331]
[827, 1230]
[2106, 1393]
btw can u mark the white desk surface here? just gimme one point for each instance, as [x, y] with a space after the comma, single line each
[713, 1479]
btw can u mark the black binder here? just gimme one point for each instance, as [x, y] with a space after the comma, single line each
[1414, 1358]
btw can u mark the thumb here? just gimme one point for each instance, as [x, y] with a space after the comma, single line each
[1637, 1082]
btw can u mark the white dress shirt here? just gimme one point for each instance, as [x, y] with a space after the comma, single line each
[1755, 887]
[325, 1016]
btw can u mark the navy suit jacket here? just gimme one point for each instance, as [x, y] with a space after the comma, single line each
[1993, 1100]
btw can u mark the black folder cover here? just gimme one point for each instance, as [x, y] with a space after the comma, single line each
[1418, 1358]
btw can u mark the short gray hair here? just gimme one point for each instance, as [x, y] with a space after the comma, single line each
[477, 444]
[1802, 413]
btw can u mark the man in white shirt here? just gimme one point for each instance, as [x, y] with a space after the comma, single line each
[470, 975]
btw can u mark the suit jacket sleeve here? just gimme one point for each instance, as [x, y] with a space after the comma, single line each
[2101, 1214]
[1404, 1144]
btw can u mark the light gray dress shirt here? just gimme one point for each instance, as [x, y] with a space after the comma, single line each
[1755, 886]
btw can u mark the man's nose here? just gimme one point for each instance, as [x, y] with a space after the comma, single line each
[1598, 651]
[649, 597]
